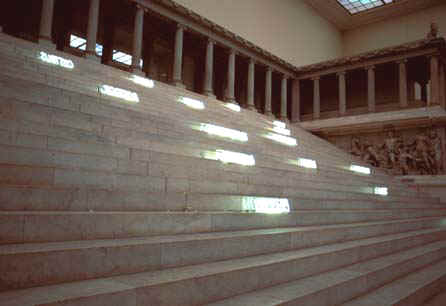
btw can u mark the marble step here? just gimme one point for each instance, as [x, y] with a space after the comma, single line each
[413, 289]
[89, 124]
[28, 226]
[28, 265]
[205, 182]
[205, 283]
[338, 286]
[119, 159]
[86, 199]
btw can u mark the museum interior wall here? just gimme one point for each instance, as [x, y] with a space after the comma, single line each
[289, 29]
[394, 31]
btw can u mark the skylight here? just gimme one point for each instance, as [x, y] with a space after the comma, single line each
[357, 6]
[124, 58]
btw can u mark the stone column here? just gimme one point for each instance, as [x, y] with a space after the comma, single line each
[46, 23]
[92, 30]
[251, 84]
[403, 83]
[137, 40]
[342, 93]
[434, 88]
[284, 99]
[371, 101]
[230, 93]
[208, 89]
[177, 74]
[268, 91]
[442, 86]
[295, 101]
[316, 98]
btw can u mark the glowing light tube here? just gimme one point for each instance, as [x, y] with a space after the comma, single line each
[142, 81]
[223, 132]
[289, 141]
[266, 205]
[56, 60]
[279, 124]
[307, 163]
[196, 104]
[235, 158]
[234, 107]
[359, 169]
[381, 191]
[119, 93]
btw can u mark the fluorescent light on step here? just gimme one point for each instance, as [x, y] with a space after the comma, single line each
[142, 81]
[119, 93]
[381, 191]
[307, 163]
[266, 205]
[279, 124]
[282, 131]
[234, 107]
[360, 169]
[235, 158]
[196, 104]
[289, 141]
[223, 132]
[56, 60]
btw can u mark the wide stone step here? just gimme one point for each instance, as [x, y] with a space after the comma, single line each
[86, 199]
[192, 285]
[338, 286]
[24, 226]
[26, 265]
[411, 290]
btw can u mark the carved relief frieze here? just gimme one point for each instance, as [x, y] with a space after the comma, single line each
[417, 152]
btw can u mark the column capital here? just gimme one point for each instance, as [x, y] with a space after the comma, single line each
[401, 61]
[316, 78]
[181, 26]
[371, 67]
[252, 61]
[285, 76]
[211, 41]
[140, 7]
[269, 69]
[341, 73]
[232, 51]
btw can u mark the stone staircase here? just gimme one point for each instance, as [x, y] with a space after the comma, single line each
[103, 202]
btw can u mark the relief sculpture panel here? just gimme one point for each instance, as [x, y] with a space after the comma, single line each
[418, 151]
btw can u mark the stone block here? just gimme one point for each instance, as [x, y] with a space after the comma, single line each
[17, 175]
[59, 144]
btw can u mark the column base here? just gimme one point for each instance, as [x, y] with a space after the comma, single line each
[93, 57]
[230, 100]
[252, 107]
[269, 114]
[137, 71]
[210, 95]
[1, 29]
[46, 42]
[178, 84]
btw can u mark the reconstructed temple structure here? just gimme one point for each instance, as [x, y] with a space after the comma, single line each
[126, 180]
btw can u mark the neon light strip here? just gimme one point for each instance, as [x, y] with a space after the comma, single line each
[235, 158]
[223, 132]
[196, 104]
[142, 81]
[360, 169]
[119, 93]
[307, 163]
[282, 139]
[56, 60]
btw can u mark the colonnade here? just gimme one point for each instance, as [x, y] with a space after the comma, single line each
[177, 73]
[437, 85]
[436, 67]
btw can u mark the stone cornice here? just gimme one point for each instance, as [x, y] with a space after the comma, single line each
[439, 44]
[262, 56]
